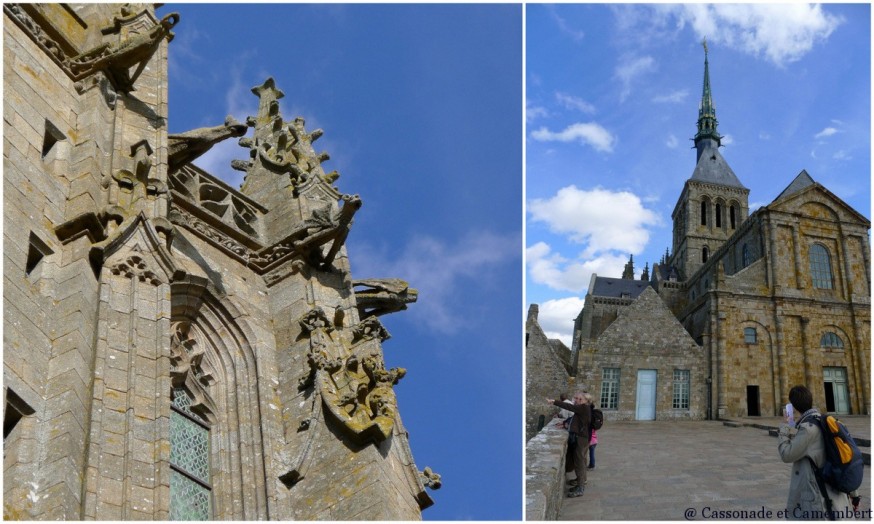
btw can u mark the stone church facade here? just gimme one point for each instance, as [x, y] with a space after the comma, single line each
[175, 348]
[769, 299]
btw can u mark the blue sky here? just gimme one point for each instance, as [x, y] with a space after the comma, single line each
[421, 108]
[612, 95]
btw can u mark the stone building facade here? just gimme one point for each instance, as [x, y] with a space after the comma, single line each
[770, 299]
[175, 348]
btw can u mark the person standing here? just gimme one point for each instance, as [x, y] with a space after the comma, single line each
[580, 428]
[593, 440]
[798, 445]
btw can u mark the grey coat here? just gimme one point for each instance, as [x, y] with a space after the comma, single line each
[805, 499]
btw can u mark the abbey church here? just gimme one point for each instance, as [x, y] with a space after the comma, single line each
[743, 307]
[176, 348]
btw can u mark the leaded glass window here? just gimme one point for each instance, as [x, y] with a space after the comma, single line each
[190, 488]
[820, 267]
[681, 389]
[830, 339]
[610, 388]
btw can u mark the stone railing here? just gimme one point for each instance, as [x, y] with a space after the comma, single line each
[544, 473]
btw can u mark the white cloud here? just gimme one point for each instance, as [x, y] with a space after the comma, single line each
[443, 273]
[727, 140]
[557, 272]
[674, 97]
[782, 33]
[572, 102]
[601, 219]
[672, 142]
[590, 133]
[575, 34]
[239, 103]
[842, 155]
[631, 67]
[829, 131]
[556, 317]
[533, 112]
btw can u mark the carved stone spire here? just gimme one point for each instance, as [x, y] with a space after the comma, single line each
[628, 274]
[707, 135]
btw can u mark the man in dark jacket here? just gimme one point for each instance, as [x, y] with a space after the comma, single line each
[579, 427]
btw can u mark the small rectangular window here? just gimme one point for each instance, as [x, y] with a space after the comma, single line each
[750, 335]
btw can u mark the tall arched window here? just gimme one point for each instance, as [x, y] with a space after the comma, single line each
[820, 267]
[190, 488]
[705, 253]
[704, 213]
[191, 414]
[732, 216]
[745, 256]
[718, 215]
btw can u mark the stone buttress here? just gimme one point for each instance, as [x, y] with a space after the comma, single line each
[175, 348]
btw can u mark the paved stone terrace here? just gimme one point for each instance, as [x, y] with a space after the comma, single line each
[661, 470]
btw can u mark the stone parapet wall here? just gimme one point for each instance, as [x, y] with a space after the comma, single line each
[544, 473]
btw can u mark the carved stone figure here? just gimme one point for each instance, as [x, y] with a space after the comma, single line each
[184, 148]
[116, 60]
[383, 296]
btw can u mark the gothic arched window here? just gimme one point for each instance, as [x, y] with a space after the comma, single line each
[718, 215]
[705, 253]
[190, 489]
[732, 216]
[820, 267]
[704, 213]
[191, 414]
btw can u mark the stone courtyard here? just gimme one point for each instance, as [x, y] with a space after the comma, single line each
[692, 470]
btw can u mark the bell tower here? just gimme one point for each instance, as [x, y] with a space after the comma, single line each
[713, 202]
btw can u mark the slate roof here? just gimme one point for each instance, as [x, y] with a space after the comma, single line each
[616, 287]
[713, 169]
[802, 181]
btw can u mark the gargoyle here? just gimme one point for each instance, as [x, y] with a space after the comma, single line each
[116, 60]
[383, 296]
[184, 148]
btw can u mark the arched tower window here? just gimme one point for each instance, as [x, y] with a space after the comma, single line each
[820, 267]
[830, 339]
[705, 254]
[718, 215]
[704, 213]
[732, 216]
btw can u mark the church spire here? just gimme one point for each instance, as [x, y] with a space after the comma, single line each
[707, 135]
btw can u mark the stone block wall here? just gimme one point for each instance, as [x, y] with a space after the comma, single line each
[545, 376]
[544, 473]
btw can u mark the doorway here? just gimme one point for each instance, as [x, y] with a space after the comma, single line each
[753, 401]
[646, 394]
[837, 399]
